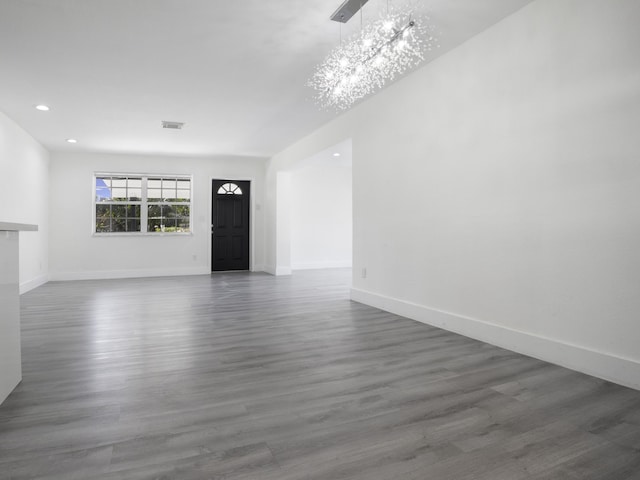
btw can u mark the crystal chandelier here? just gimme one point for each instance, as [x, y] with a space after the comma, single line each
[396, 42]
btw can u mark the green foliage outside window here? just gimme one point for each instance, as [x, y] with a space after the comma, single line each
[125, 204]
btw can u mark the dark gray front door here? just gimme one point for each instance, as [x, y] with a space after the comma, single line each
[230, 225]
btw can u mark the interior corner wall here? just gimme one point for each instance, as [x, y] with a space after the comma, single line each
[77, 254]
[24, 183]
[277, 187]
[283, 224]
[321, 220]
[514, 161]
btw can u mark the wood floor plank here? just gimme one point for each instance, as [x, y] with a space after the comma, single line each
[247, 376]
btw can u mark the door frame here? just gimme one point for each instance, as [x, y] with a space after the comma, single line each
[252, 200]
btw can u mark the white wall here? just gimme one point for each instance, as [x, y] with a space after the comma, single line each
[24, 172]
[519, 155]
[77, 254]
[10, 351]
[277, 189]
[321, 220]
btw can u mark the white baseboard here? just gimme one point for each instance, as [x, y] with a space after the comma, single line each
[319, 265]
[141, 273]
[33, 283]
[623, 371]
[275, 270]
[258, 268]
[283, 271]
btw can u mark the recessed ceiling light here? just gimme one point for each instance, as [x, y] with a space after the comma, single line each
[72, 140]
[42, 108]
[336, 154]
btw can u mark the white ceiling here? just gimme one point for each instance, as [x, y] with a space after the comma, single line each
[233, 71]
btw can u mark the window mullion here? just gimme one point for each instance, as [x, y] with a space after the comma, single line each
[144, 211]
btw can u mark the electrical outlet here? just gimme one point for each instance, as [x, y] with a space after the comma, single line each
[364, 273]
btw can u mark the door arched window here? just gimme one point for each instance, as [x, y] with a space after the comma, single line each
[229, 189]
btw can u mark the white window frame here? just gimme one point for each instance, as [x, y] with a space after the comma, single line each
[144, 204]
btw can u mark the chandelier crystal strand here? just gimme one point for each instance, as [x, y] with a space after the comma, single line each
[381, 51]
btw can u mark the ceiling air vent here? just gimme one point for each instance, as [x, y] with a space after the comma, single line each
[172, 125]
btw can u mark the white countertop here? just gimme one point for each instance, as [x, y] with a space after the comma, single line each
[4, 226]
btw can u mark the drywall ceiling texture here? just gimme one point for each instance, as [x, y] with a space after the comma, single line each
[234, 71]
[516, 220]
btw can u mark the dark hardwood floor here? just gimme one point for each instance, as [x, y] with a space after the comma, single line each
[249, 376]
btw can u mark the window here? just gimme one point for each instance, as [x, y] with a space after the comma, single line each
[142, 204]
[168, 204]
[229, 189]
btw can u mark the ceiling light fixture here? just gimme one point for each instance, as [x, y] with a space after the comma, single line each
[382, 50]
[72, 140]
[336, 154]
[42, 108]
